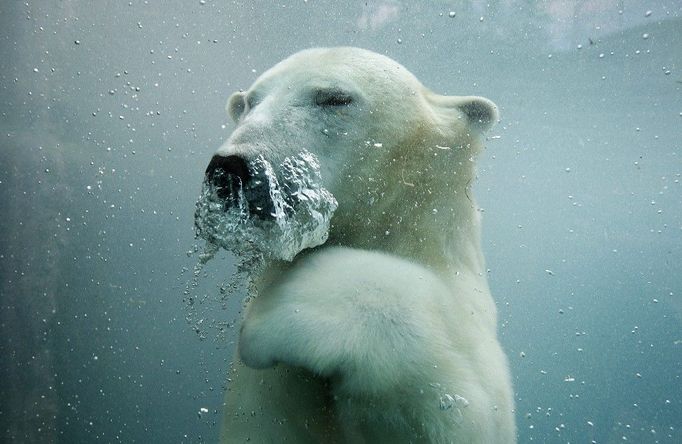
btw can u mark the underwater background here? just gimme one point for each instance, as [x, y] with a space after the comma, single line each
[110, 112]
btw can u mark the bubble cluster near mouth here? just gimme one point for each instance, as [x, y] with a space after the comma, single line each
[300, 212]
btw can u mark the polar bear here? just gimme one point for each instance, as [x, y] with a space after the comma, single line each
[385, 333]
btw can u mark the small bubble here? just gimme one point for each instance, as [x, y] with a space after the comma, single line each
[645, 35]
[648, 13]
[452, 14]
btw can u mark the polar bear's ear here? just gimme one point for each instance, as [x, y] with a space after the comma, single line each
[236, 105]
[481, 112]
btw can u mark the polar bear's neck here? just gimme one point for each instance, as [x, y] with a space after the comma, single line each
[437, 225]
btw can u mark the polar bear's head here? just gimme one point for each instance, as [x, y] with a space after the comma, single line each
[386, 145]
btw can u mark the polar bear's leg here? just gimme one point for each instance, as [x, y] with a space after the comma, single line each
[340, 311]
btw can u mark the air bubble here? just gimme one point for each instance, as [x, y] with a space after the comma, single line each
[302, 211]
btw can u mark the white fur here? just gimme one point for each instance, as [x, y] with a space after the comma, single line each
[388, 332]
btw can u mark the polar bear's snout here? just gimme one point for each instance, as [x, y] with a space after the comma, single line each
[233, 179]
[227, 174]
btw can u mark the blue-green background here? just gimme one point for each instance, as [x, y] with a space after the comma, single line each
[109, 113]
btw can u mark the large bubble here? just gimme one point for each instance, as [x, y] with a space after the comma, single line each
[301, 213]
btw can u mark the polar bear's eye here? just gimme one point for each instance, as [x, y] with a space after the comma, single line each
[332, 97]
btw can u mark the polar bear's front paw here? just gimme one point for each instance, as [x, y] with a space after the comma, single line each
[255, 350]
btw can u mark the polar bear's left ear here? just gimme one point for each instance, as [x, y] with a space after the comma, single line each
[481, 112]
[236, 105]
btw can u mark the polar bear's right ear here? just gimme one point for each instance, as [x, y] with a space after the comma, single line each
[479, 112]
[236, 105]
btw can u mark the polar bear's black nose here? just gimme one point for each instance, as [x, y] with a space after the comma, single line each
[233, 179]
[227, 174]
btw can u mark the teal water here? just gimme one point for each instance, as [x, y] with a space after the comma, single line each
[110, 113]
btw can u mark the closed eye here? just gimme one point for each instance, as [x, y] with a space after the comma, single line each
[332, 98]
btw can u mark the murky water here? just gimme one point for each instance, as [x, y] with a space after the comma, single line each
[110, 113]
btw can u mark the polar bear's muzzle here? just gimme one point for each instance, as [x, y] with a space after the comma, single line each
[250, 206]
[234, 179]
